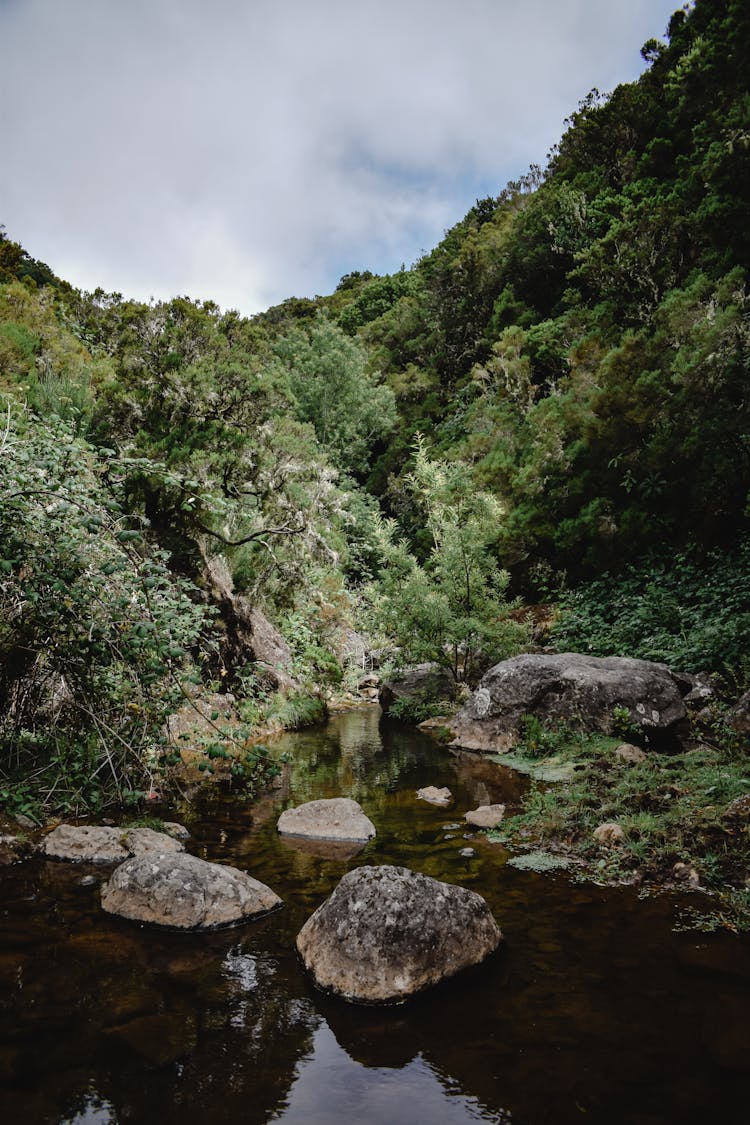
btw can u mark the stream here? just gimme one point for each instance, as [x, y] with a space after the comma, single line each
[594, 1010]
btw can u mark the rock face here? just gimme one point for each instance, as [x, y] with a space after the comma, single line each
[184, 892]
[421, 684]
[580, 691]
[334, 818]
[386, 933]
[248, 634]
[486, 816]
[99, 844]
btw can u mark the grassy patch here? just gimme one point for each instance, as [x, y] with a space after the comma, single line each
[671, 809]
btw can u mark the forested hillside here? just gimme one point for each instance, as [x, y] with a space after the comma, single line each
[551, 405]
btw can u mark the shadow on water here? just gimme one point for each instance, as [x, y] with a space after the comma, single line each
[593, 1011]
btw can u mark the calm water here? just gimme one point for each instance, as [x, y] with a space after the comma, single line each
[595, 1011]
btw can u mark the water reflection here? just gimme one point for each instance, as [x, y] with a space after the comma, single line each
[595, 1011]
[330, 1078]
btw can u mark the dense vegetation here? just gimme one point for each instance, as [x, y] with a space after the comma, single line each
[577, 349]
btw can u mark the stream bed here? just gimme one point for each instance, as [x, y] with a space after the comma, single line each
[594, 1010]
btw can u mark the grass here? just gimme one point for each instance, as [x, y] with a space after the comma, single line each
[671, 808]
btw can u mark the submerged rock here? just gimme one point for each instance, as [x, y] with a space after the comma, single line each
[386, 933]
[435, 796]
[584, 692]
[486, 816]
[184, 892]
[334, 818]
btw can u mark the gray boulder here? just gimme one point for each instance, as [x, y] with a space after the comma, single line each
[334, 818]
[101, 844]
[88, 843]
[739, 715]
[579, 691]
[386, 933]
[184, 892]
[423, 683]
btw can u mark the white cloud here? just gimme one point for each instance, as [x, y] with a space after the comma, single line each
[248, 151]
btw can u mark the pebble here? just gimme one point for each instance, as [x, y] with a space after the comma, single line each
[467, 853]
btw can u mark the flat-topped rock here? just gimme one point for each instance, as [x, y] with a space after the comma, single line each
[184, 892]
[386, 933]
[333, 818]
[89, 843]
[92, 843]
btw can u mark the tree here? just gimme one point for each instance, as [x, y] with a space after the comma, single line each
[451, 609]
[334, 391]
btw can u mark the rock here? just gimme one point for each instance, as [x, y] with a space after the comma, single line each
[178, 831]
[13, 849]
[696, 689]
[467, 853]
[435, 796]
[486, 816]
[386, 933]
[144, 841]
[738, 810]
[579, 691]
[101, 844]
[609, 834]
[89, 843]
[739, 715]
[630, 754]
[336, 818]
[424, 683]
[184, 892]
[88, 881]
[248, 634]
[685, 873]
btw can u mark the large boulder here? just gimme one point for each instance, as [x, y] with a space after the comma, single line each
[582, 692]
[333, 818]
[184, 892]
[424, 683]
[386, 933]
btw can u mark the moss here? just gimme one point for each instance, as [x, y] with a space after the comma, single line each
[672, 809]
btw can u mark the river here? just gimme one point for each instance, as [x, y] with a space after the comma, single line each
[595, 1010]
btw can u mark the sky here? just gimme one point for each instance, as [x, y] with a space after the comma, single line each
[251, 150]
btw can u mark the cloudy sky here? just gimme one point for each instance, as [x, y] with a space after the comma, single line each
[251, 150]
